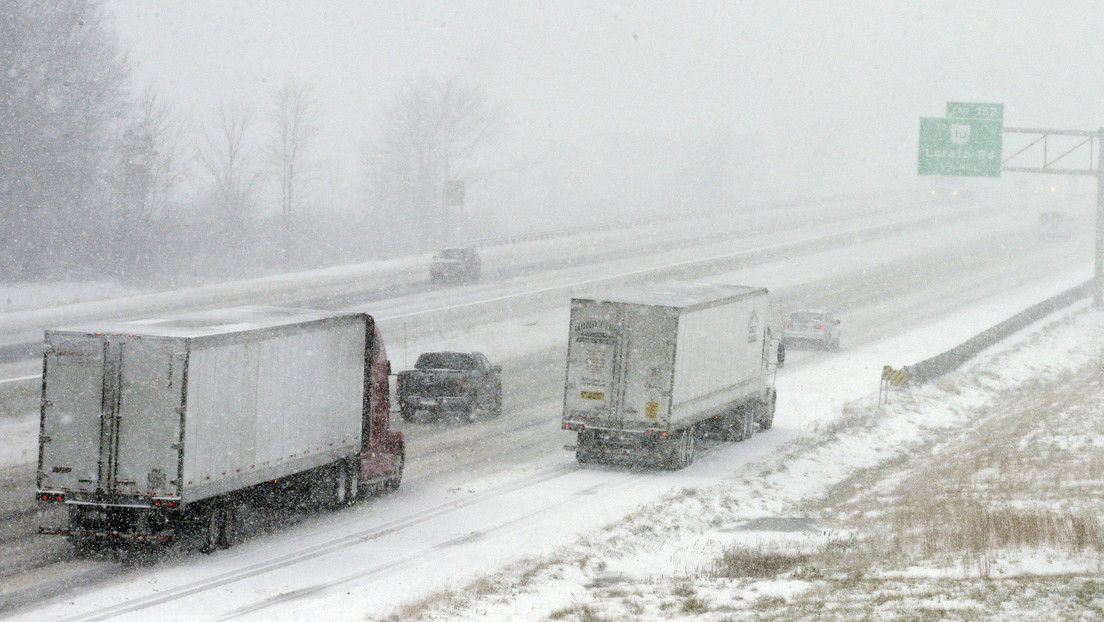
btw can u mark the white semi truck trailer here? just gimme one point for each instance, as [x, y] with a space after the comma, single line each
[651, 369]
[154, 425]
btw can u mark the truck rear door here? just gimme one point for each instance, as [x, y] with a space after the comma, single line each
[69, 440]
[149, 379]
[648, 366]
[110, 415]
[595, 354]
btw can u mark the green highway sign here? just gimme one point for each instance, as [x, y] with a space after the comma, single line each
[963, 146]
[966, 110]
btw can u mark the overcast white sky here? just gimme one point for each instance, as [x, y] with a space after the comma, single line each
[608, 103]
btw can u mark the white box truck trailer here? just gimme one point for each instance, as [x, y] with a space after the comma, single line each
[151, 426]
[652, 368]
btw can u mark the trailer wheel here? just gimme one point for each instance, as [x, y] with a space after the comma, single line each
[214, 522]
[406, 412]
[226, 531]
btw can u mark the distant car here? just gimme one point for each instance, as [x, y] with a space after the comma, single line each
[1054, 226]
[456, 264]
[816, 327]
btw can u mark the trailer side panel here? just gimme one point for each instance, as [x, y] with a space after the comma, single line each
[263, 409]
[719, 359]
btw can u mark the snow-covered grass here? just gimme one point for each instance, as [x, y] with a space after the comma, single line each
[974, 497]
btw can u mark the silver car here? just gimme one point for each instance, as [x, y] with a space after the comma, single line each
[816, 327]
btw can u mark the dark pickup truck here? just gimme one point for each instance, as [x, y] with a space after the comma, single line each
[464, 383]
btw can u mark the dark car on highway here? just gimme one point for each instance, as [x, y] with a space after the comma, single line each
[455, 264]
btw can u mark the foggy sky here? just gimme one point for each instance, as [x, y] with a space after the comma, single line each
[603, 104]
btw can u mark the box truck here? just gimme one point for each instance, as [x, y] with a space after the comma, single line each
[651, 369]
[155, 427]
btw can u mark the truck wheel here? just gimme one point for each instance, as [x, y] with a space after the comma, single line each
[340, 476]
[738, 424]
[407, 413]
[83, 546]
[354, 480]
[393, 482]
[767, 419]
[584, 450]
[496, 406]
[683, 450]
[473, 409]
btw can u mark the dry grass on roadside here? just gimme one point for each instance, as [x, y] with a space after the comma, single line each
[1025, 479]
[768, 561]
[931, 526]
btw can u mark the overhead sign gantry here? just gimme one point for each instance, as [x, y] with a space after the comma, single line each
[969, 142]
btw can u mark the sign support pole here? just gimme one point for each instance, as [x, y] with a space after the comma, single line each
[1098, 270]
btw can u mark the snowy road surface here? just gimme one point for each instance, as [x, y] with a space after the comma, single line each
[486, 494]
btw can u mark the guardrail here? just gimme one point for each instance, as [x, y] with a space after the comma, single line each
[952, 359]
[681, 216]
[571, 231]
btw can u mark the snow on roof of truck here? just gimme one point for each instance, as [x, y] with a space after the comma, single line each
[678, 294]
[208, 323]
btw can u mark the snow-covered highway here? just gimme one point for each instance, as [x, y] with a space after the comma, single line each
[908, 282]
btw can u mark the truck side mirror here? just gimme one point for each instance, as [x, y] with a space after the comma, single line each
[781, 354]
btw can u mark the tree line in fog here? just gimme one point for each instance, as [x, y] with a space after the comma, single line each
[91, 166]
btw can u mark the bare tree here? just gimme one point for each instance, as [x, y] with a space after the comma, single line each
[151, 161]
[429, 135]
[296, 118]
[226, 154]
[63, 92]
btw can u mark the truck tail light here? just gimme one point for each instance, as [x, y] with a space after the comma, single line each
[51, 496]
[819, 327]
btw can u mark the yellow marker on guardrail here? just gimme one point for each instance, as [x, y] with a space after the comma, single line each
[891, 378]
[895, 377]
